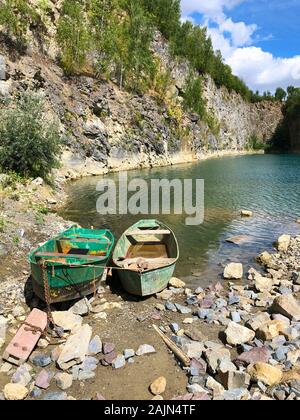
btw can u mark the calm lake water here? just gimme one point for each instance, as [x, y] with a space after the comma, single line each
[269, 185]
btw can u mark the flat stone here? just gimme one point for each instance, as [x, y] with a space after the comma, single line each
[43, 343]
[270, 330]
[170, 307]
[195, 334]
[215, 386]
[236, 395]
[165, 294]
[22, 376]
[256, 355]
[188, 321]
[43, 379]
[193, 349]
[119, 362]
[263, 284]
[3, 329]
[214, 357]
[76, 348]
[85, 375]
[247, 213]
[40, 360]
[35, 393]
[198, 367]
[239, 240]
[267, 374]
[182, 309]
[108, 347]
[128, 353]
[237, 334]
[234, 379]
[158, 387]
[177, 283]
[67, 320]
[55, 396]
[233, 299]
[207, 302]
[95, 346]
[233, 271]
[236, 317]
[288, 306]
[109, 358]
[18, 311]
[90, 363]
[174, 328]
[64, 380]
[196, 389]
[81, 307]
[145, 349]
[258, 320]
[15, 392]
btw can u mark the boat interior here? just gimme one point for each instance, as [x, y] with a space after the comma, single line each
[148, 249]
[74, 248]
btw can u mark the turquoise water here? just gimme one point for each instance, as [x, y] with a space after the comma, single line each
[269, 185]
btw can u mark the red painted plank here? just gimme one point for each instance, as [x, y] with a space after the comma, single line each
[25, 340]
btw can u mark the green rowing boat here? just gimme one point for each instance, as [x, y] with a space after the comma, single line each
[146, 256]
[71, 265]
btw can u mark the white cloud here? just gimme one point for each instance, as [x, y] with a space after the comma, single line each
[262, 71]
[259, 69]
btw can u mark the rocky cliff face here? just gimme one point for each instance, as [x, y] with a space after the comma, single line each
[107, 129]
[294, 131]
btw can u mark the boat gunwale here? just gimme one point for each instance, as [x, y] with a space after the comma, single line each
[100, 259]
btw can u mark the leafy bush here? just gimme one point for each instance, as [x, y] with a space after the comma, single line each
[193, 95]
[30, 143]
[256, 144]
[16, 17]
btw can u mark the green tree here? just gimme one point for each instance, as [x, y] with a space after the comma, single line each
[193, 99]
[30, 142]
[73, 36]
[136, 64]
[166, 15]
[16, 16]
[280, 94]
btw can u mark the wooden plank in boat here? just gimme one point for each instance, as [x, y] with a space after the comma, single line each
[148, 232]
[59, 255]
[150, 261]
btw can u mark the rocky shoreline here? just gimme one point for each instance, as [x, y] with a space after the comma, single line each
[243, 340]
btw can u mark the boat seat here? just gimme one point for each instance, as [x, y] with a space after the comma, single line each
[60, 255]
[86, 240]
[148, 232]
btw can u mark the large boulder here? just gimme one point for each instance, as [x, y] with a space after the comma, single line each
[237, 334]
[270, 330]
[288, 306]
[263, 372]
[283, 243]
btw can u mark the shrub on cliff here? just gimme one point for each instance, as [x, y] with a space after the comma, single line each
[30, 142]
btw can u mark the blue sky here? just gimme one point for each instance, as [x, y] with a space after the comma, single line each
[260, 39]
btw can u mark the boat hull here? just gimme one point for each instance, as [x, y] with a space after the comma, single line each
[73, 264]
[146, 283]
[162, 245]
[76, 282]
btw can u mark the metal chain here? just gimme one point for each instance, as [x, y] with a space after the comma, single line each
[47, 294]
